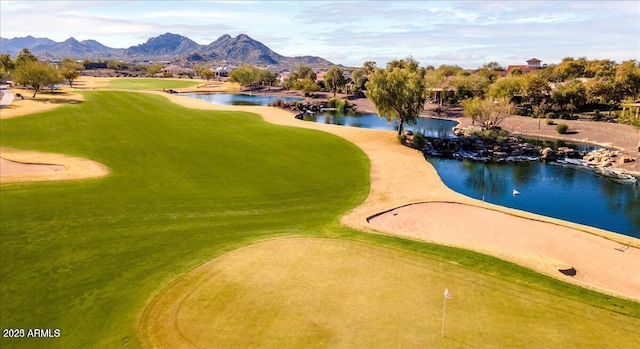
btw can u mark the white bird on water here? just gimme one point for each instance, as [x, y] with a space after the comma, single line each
[515, 192]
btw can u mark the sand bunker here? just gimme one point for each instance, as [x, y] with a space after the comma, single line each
[542, 246]
[29, 166]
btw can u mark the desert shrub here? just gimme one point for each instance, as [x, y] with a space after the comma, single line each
[418, 141]
[339, 103]
[402, 139]
[490, 134]
[550, 122]
[562, 128]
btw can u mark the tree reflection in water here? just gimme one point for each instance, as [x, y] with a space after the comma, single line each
[489, 180]
[623, 198]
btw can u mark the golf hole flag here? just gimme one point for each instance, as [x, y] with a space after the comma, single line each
[447, 295]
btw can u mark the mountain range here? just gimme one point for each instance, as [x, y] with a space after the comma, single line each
[239, 50]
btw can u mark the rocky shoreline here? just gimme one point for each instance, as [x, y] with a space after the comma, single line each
[506, 148]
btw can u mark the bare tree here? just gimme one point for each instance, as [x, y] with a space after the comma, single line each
[488, 113]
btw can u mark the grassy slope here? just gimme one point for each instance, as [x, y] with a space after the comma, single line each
[151, 83]
[188, 185]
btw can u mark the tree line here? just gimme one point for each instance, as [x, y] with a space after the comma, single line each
[25, 69]
[401, 89]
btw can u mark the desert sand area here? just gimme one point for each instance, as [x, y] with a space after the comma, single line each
[29, 166]
[602, 259]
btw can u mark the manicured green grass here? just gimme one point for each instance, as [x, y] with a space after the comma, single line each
[151, 83]
[187, 185]
[310, 293]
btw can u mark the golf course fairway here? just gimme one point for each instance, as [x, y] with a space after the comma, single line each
[189, 189]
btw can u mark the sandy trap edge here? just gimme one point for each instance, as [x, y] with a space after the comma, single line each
[47, 167]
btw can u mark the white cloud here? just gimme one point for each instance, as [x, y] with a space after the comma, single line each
[350, 32]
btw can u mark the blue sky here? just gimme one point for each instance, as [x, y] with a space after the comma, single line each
[463, 33]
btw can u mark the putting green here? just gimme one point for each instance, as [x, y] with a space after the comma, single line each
[314, 292]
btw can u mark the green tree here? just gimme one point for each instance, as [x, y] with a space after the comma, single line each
[307, 86]
[571, 95]
[398, 92]
[249, 76]
[359, 77]
[470, 85]
[37, 75]
[69, 69]
[113, 64]
[627, 79]
[570, 68]
[267, 77]
[334, 79]
[302, 78]
[207, 74]
[600, 68]
[303, 72]
[494, 66]
[6, 65]
[535, 89]
[488, 113]
[203, 71]
[69, 74]
[604, 90]
[246, 76]
[154, 68]
[25, 56]
[369, 67]
[506, 87]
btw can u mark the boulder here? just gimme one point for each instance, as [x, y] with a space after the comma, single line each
[547, 154]
[626, 159]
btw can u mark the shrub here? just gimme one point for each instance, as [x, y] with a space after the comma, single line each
[339, 103]
[550, 122]
[418, 141]
[562, 128]
[402, 139]
[490, 134]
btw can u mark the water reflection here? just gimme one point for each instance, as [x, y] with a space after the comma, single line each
[549, 190]
[427, 126]
[239, 99]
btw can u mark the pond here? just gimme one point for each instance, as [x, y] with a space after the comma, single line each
[239, 99]
[549, 190]
[426, 126]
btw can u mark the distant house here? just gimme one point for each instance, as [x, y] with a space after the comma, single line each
[223, 71]
[176, 70]
[532, 64]
[284, 76]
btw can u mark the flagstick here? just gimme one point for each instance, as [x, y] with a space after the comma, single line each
[443, 314]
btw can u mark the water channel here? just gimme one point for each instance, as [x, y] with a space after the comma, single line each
[549, 190]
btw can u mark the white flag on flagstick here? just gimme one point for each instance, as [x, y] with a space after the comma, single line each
[447, 295]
